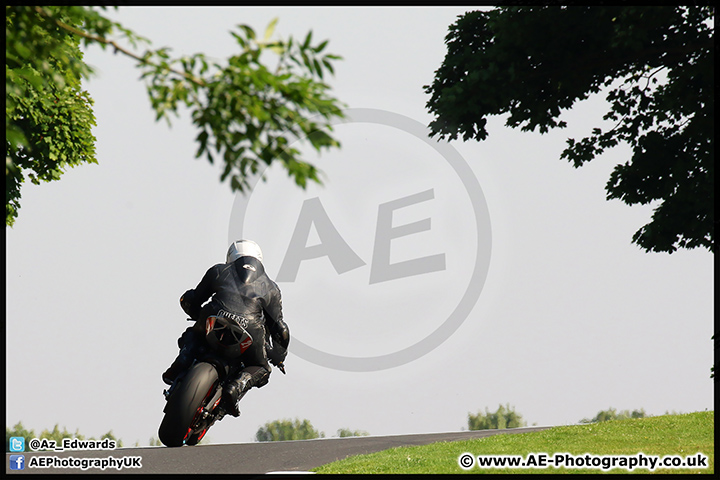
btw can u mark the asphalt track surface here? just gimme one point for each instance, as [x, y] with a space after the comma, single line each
[247, 458]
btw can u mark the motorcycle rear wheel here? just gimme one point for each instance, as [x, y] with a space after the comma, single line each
[185, 403]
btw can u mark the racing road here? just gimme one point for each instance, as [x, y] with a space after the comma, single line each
[240, 458]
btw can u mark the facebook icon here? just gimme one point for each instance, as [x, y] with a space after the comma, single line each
[17, 462]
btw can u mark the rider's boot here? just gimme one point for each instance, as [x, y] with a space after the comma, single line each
[235, 389]
[189, 344]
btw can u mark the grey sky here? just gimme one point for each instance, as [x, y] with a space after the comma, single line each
[572, 318]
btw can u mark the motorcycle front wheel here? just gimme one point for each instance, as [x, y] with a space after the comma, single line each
[185, 403]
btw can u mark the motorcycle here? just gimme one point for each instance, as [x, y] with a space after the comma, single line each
[194, 400]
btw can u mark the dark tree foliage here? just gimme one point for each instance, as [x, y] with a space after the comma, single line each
[656, 67]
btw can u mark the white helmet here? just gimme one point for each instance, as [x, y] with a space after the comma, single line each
[243, 248]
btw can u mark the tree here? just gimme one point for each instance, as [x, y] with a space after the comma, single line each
[286, 429]
[346, 432]
[17, 431]
[504, 417]
[612, 414]
[48, 116]
[247, 111]
[532, 63]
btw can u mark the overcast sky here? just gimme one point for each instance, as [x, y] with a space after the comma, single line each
[527, 289]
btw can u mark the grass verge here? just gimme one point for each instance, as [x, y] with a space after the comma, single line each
[681, 436]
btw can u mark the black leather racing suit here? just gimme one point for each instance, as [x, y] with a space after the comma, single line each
[243, 289]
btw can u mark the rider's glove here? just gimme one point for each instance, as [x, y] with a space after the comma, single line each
[275, 357]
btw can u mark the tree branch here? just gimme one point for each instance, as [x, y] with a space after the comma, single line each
[118, 48]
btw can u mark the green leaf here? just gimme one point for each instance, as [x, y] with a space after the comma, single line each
[270, 29]
[249, 32]
[308, 39]
[320, 47]
[241, 40]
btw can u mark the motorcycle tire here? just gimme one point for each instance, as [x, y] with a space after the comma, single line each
[185, 403]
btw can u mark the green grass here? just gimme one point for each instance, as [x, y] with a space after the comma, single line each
[682, 435]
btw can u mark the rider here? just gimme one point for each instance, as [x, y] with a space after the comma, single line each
[239, 288]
